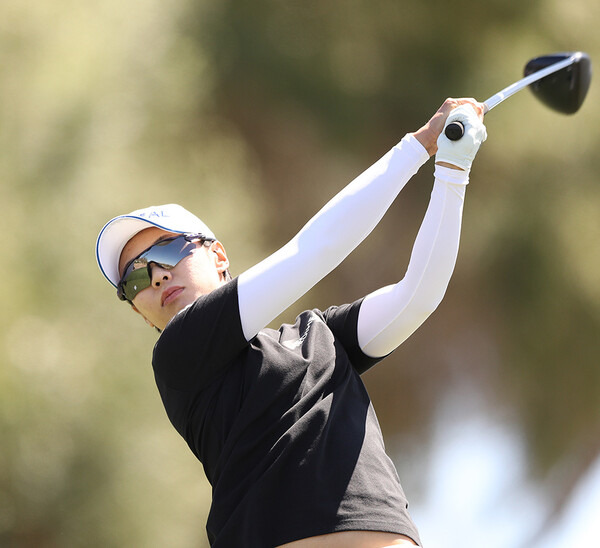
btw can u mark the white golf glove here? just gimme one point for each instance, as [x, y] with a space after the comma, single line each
[462, 152]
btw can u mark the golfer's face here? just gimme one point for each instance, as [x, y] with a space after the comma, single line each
[173, 289]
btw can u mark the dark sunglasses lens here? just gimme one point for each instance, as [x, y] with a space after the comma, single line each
[135, 281]
[166, 254]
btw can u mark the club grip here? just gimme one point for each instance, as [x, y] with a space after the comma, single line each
[454, 131]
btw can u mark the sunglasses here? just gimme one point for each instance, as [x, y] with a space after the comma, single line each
[166, 254]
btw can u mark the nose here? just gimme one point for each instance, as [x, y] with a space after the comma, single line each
[159, 274]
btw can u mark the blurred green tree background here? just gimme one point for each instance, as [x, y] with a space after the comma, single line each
[252, 114]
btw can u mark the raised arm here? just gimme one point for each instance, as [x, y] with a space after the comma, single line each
[390, 315]
[268, 288]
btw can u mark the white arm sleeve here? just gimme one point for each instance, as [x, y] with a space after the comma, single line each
[271, 286]
[390, 315]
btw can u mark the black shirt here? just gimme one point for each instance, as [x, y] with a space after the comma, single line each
[283, 424]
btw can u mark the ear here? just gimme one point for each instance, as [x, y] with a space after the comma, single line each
[134, 308]
[220, 258]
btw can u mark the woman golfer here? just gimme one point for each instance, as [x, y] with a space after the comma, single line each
[280, 419]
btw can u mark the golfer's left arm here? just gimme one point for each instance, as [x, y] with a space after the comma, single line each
[390, 315]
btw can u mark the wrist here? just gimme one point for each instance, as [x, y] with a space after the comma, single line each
[427, 138]
[451, 166]
[450, 175]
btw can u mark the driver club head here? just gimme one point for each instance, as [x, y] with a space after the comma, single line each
[564, 90]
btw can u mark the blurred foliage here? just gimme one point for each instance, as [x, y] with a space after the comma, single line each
[252, 114]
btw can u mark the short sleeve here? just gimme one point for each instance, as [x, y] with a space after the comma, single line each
[343, 322]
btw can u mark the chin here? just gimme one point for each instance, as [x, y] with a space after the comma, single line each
[180, 304]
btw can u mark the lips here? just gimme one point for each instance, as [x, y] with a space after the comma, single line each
[170, 294]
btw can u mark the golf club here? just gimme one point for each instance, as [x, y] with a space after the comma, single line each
[559, 80]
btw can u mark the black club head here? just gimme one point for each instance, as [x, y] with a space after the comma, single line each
[564, 90]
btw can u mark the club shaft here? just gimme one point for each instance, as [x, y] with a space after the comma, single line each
[496, 99]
